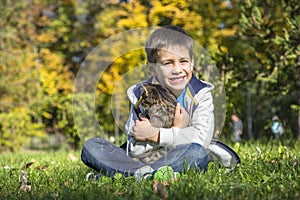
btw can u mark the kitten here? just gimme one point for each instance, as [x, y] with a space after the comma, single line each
[158, 105]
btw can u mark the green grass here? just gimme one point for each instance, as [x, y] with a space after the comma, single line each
[275, 174]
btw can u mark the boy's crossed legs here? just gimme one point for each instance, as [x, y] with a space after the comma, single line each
[103, 156]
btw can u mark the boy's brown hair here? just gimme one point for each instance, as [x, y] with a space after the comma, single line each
[165, 37]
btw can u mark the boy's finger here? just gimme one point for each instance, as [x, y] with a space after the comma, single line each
[177, 109]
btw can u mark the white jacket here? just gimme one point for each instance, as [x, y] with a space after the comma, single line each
[199, 104]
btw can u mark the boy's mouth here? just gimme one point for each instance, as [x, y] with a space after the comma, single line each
[176, 79]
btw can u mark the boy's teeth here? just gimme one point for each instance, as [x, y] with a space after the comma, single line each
[177, 78]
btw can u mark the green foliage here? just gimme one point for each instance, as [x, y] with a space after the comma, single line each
[17, 128]
[262, 60]
[268, 170]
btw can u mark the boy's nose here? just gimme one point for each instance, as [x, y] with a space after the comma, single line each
[177, 68]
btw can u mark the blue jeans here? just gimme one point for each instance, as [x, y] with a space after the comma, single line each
[101, 155]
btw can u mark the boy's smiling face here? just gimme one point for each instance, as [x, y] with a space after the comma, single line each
[173, 69]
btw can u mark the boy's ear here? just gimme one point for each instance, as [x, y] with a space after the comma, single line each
[151, 68]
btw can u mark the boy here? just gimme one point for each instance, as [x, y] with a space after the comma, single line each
[149, 149]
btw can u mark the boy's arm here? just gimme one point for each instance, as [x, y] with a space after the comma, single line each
[144, 131]
[201, 126]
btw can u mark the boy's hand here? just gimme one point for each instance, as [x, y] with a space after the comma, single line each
[181, 119]
[144, 131]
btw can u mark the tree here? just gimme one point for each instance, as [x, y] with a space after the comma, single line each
[263, 57]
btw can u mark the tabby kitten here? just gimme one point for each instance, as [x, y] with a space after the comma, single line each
[158, 105]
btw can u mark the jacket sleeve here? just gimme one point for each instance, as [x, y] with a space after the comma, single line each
[200, 129]
[131, 120]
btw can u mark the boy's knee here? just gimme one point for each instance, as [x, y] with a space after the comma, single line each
[89, 148]
[199, 151]
[91, 142]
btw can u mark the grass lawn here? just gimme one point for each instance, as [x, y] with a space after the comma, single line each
[269, 170]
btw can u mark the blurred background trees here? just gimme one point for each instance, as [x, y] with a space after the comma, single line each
[254, 44]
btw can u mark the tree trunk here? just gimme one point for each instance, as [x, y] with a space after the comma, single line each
[249, 116]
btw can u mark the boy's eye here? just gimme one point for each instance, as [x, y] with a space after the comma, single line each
[167, 63]
[184, 61]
